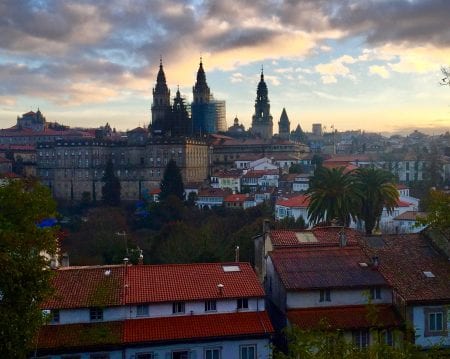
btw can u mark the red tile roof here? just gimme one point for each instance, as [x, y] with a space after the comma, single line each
[325, 236]
[309, 268]
[236, 198]
[260, 173]
[182, 282]
[4, 147]
[403, 261]
[193, 327]
[153, 330]
[155, 191]
[345, 317]
[301, 201]
[410, 216]
[212, 192]
[83, 287]
[401, 203]
[348, 167]
[86, 335]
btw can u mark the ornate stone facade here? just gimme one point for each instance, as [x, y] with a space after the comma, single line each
[70, 168]
[262, 121]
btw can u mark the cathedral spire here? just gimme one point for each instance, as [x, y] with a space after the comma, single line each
[201, 90]
[262, 124]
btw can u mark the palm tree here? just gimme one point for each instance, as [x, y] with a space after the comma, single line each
[378, 191]
[333, 196]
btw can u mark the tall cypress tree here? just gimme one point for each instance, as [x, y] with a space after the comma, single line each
[111, 186]
[172, 182]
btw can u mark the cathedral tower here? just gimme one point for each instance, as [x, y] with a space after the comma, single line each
[262, 122]
[161, 101]
[201, 90]
[284, 125]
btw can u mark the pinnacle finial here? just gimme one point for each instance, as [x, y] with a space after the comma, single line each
[201, 60]
[160, 60]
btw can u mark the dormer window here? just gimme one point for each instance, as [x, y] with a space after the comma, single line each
[178, 308]
[142, 310]
[96, 314]
[242, 303]
[54, 316]
[325, 295]
[210, 306]
[375, 293]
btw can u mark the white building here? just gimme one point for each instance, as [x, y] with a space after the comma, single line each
[295, 207]
[160, 311]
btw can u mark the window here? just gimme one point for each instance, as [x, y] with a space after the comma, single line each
[178, 307]
[145, 356]
[182, 354]
[142, 310]
[435, 321]
[325, 295]
[96, 314]
[247, 352]
[360, 338]
[242, 303]
[210, 306]
[375, 293]
[389, 337]
[213, 353]
[99, 356]
[54, 316]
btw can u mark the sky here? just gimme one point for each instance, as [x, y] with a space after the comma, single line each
[370, 65]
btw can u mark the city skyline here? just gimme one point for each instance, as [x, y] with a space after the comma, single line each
[369, 65]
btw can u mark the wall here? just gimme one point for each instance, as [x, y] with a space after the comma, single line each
[81, 315]
[229, 349]
[419, 317]
[307, 299]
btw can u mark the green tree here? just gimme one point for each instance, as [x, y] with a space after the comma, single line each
[296, 168]
[25, 251]
[333, 196]
[172, 182]
[378, 191]
[111, 186]
[438, 212]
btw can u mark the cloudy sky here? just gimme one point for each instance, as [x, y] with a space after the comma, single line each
[355, 64]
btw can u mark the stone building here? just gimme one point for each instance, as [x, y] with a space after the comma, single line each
[208, 114]
[262, 122]
[72, 168]
[284, 125]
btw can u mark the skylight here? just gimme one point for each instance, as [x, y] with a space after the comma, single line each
[231, 268]
[306, 237]
[428, 274]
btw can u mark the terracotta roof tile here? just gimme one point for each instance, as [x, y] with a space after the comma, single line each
[403, 261]
[344, 317]
[301, 201]
[182, 282]
[324, 267]
[83, 287]
[84, 335]
[324, 236]
[260, 173]
[410, 216]
[197, 327]
[236, 198]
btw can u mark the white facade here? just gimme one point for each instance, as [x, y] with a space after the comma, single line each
[282, 212]
[227, 349]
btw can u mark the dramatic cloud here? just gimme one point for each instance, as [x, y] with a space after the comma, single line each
[71, 53]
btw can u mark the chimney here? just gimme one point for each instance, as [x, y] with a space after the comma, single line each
[342, 239]
[125, 261]
[375, 262]
[220, 286]
[236, 259]
[141, 257]
[65, 260]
